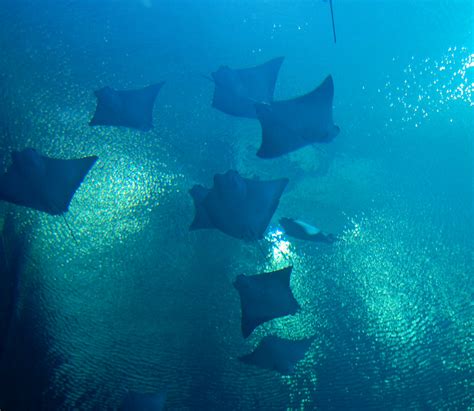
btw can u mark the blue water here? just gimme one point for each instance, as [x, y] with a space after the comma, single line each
[139, 303]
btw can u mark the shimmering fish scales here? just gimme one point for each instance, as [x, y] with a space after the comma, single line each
[292, 124]
[237, 206]
[278, 354]
[237, 90]
[43, 183]
[264, 297]
[127, 108]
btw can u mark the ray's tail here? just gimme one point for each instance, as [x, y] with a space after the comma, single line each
[69, 228]
[260, 247]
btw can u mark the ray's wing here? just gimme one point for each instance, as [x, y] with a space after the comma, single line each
[201, 216]
[229, 96]
[291, 124]
[278, 354]
[265, 297]
[237, 90]
[109, 107]
[51, 192]
[226, 204]
[262, 202]
[16, 189]
[259, 82]
[63, 178]
[126, 108]
[139, 107]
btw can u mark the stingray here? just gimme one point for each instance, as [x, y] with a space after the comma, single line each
[264, 297]
[237, 90]
[135, 401]
[237, 206]
[292, 124]
[278, 354]
[127, 108]
[304, 231]
[43, 183]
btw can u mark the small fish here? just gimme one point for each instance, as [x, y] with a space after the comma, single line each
[304, 231]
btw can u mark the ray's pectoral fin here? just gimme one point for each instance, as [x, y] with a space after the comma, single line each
[201, 217]
[278, 354]
[43, 183]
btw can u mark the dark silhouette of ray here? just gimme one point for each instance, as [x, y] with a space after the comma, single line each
[291, 124]
[278, 354]
[264, 297]
[304, 231]
[127, 108]
[239, 207]
[43, 183]
[13, 250]
[135, 401]
[237, 90]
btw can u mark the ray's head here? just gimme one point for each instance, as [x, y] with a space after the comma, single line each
[230, 184]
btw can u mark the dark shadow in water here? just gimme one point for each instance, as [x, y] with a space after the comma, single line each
[25, 364]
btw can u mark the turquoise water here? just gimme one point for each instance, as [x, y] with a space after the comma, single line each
[141, 303]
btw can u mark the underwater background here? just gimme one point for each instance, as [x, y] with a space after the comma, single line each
[140, 303]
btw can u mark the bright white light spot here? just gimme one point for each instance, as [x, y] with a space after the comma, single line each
[280, 246]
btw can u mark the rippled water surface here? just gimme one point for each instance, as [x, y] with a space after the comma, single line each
[140, 303]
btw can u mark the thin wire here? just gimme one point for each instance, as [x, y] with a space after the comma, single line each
[54, 207]
[332, 18]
